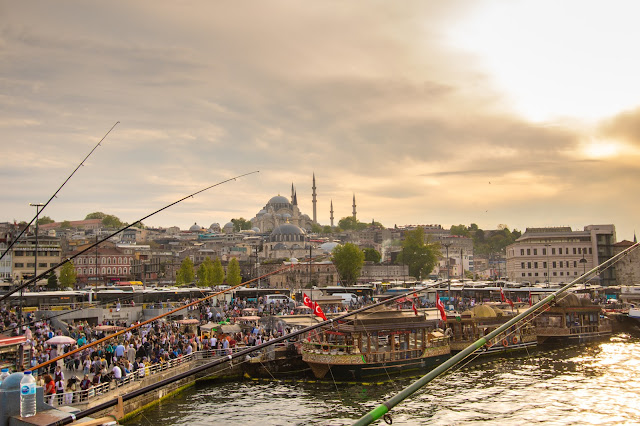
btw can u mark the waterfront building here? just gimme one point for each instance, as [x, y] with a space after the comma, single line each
[103, 264]
[627, 269]
[559, 254]
[24, 256]
[5, 262]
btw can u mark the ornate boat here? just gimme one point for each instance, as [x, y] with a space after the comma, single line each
[572, 320]
[479, 321]
[375, 343]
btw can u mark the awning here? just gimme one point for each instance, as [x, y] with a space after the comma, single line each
[188, 321]
[16, 340]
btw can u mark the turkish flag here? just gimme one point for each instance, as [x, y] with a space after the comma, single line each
[318, 311]
[440, 307]
[307, 302]
[413, 305]
[510, 303]
[502, 295]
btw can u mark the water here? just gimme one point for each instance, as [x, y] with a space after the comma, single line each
[27, 395]
[596, 384]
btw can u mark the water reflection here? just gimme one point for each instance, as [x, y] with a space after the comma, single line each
[597, 384]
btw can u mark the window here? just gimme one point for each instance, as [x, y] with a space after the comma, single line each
[553, 250]
[575, 251]
[566, 250]
[555, 274]
[535, 252]
[544, 251]
[521, 252]
[42, 265]
[528, 252]
[560, 264]
[52, 264]
[536, 274]
[544, 265]
[522, 265]
[561, 273]
[104, 270]
[575, 264]
[31, 265]
[553, 265]
[19, 265]
[535, 265]
[590, 250]
[529, 273]
[528, 265]
[524, 275]
[108, 270]
[91, 271]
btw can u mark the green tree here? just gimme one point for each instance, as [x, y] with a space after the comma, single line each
[52, 282]
[185, 274]
[316, 229]
[217, 272]
[111, 221]
[205, 271]
[65, 224]
[44, 220]
[95, 215]
[327, 229]
[240, 224]
[348, 260]
[233, 273]
[421, 257]
[349, 223]
[67, 275]
[460, 230]
[372, 255]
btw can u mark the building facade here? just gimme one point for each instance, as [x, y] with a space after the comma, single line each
[559, 254]
[25, 256]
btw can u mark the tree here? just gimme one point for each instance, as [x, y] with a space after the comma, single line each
[460, 230]
[348, 260]
[205, 272]
[327, 229]
[95, 215]
[52, 282]
[240, 224]
[233, 273]
[372, 255]
[316, 229]
[420, 257]
[111, 221]
[67, 275]
[44, 220]
[185, 274]
[349, 223]
[217, 272]
[65, 224]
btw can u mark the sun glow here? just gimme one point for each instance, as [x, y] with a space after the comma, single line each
[601, 149]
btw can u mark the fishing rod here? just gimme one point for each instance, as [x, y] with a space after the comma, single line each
[69, 259]
[56, 193]
[382, 409]
[231, 357]
[135, 326]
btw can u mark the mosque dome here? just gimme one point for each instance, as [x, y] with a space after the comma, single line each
[255, 229]
[278, 199]
[286, 216]
[483, 311]
[195, 227]
[287, 233]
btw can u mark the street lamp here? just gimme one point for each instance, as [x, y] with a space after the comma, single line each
[584, 264]
[547, 249]
[446, 245]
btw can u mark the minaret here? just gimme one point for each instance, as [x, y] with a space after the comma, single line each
[354, 208]
[313, 200]
[331, 214]
[292, 192]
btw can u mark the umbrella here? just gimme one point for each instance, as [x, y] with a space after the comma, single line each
[61, 340]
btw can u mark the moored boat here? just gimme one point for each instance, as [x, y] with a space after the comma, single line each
[374, 343]
[572, 320]
[479, 321]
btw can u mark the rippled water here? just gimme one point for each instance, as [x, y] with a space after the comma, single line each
[597, 384]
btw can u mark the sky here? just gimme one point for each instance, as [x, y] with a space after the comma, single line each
[523, 113]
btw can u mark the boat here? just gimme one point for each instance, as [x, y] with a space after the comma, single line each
[480, 320]
[374, 343]
[572, 319]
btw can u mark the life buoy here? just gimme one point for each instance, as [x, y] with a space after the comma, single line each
[514, 340]
[505, 342]
[489, 343]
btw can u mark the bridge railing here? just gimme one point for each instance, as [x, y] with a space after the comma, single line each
[82, 396]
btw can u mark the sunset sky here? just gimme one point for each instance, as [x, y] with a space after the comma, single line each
[524, 113]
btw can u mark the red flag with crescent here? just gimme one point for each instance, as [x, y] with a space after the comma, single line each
[307, 302]
[318, 311]
[502, 295]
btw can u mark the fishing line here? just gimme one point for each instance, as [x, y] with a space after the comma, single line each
[53, 268]
[56, 193]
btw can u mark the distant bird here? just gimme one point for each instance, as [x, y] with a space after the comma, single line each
[489, 183]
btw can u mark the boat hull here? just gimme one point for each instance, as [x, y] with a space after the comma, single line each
[355, 367]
